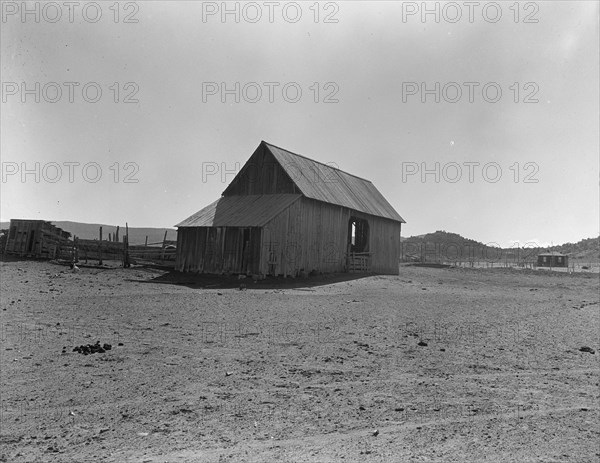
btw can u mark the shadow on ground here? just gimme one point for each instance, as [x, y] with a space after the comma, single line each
[229, 282]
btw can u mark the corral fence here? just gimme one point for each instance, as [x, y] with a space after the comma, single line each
[39, 239]
[162, 253]
[463, 255]
[573, 267]
[154, 253]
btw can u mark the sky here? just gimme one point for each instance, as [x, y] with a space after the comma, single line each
[478, 120]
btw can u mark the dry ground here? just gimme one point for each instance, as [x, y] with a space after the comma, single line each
[302, 371]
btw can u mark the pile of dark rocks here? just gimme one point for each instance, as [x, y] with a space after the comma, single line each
[92, 348]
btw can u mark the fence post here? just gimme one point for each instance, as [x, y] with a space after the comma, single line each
[162, 254]
[100, 248]
[126, 247]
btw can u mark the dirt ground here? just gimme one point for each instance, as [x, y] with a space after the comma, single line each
[437, 364]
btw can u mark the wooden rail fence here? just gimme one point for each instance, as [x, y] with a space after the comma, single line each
[161, 253]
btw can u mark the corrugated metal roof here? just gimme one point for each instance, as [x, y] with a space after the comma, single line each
[551, 253]
[240, 211]
[331, 185]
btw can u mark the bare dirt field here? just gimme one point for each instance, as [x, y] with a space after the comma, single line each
[437, 364]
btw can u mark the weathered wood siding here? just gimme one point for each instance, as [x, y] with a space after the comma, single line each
[218, 250]
[313, 235]
[384, 243]
[261, 175]
[304, 238]
[34, 238]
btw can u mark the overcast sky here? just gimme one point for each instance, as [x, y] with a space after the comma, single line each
[169, 145]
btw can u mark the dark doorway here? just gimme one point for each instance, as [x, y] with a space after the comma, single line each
[358, 235]
[31, 242]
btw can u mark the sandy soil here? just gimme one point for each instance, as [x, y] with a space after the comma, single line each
[447, 365]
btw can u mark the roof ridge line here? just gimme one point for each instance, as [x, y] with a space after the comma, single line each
[318, 162]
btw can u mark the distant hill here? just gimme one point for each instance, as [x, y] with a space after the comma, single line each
[442, 245]
[90, 231]
[587, 249]
[441, 236]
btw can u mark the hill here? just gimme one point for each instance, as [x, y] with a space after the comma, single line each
[442, 246]
[447, 246]
[137, 235]
[587, 249]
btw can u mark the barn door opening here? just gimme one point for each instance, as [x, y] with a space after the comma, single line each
[358, 245]
[358, 235]
[31, 242]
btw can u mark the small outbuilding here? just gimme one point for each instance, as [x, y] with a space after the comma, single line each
[552, 259]
[285, 214]
[35, 238]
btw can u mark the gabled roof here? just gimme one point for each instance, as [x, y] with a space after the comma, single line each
[331, 185]
[240, 211]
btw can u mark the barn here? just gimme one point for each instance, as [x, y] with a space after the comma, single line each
[285, 214]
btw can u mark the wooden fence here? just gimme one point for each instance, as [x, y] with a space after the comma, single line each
[111, 249]
[359, 262]
[161, 253]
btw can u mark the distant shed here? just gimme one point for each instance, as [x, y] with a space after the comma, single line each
[552, 259]
[34, 238]
[285, 214]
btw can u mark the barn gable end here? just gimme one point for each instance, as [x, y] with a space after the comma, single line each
[261, 175]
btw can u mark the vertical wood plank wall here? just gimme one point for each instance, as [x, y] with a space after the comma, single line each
[33, 238]
[217, 250]
[312, 235]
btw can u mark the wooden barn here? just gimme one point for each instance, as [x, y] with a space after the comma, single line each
[34, 238]
[285, 214]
